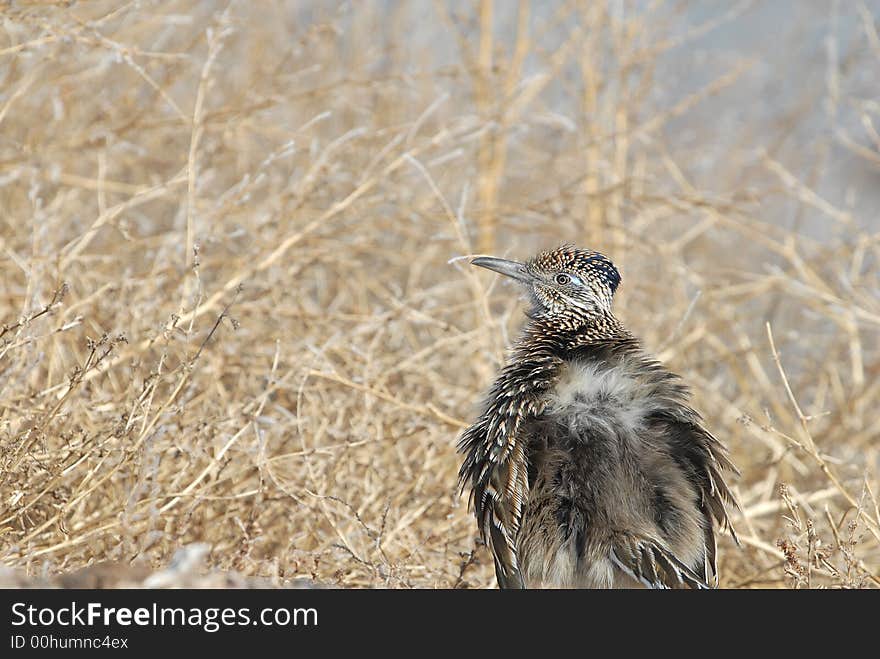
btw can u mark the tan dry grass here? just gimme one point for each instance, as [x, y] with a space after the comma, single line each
[231, 315]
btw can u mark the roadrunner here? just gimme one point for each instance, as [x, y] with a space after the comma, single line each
[587, 468]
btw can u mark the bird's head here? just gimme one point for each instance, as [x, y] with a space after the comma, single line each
[567, 283]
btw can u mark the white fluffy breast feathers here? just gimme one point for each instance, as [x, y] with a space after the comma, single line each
[589, 393]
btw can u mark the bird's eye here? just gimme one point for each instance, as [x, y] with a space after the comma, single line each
[562, 279]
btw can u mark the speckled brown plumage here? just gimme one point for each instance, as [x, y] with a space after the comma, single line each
[587, 467]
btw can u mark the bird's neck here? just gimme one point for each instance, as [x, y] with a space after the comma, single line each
[543, 349]
[559, 338]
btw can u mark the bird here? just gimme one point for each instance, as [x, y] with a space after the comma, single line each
[587, 467]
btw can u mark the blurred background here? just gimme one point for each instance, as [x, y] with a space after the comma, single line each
[235, 308]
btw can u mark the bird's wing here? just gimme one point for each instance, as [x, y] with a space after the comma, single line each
[496, 464]
[704, 460]
[500, 515]
[654, 566]
[496, 468]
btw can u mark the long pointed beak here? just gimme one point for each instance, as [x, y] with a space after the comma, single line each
[507, 268]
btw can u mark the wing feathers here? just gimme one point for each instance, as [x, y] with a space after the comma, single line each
[652, 565]
[496, 465]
